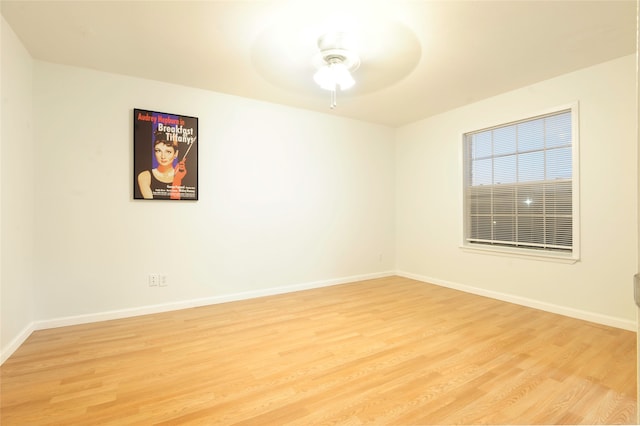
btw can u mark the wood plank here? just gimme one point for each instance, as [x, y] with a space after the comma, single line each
[385, 351]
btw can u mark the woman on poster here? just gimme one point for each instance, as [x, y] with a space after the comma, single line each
[165, 180]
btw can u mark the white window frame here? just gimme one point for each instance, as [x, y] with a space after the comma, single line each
[522, 252]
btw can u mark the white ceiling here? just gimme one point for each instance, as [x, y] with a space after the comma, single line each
[419, 58]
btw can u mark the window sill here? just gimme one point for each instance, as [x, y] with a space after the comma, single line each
[568, 258]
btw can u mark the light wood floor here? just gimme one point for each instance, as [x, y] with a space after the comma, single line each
[385, 351]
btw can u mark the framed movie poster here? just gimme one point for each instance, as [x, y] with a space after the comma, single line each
[165, 156]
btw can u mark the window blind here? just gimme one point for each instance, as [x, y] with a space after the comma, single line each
[518, 184]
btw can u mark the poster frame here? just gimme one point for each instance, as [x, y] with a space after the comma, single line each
[156, 135]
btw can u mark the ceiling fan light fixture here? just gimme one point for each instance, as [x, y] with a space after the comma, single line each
[334, 65]
[334, 74]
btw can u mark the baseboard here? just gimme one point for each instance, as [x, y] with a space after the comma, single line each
[172, 306]
[16, 342]
[531, 303]
[193, 303]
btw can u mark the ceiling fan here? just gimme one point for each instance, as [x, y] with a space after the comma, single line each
[304, 52]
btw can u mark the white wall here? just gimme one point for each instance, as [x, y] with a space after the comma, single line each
[288, 198]
[429, 199]
[17, 185]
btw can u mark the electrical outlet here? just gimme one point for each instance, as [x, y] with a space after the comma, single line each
[154, 280]
[162, 282]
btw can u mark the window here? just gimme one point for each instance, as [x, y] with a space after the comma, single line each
[519, 185]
